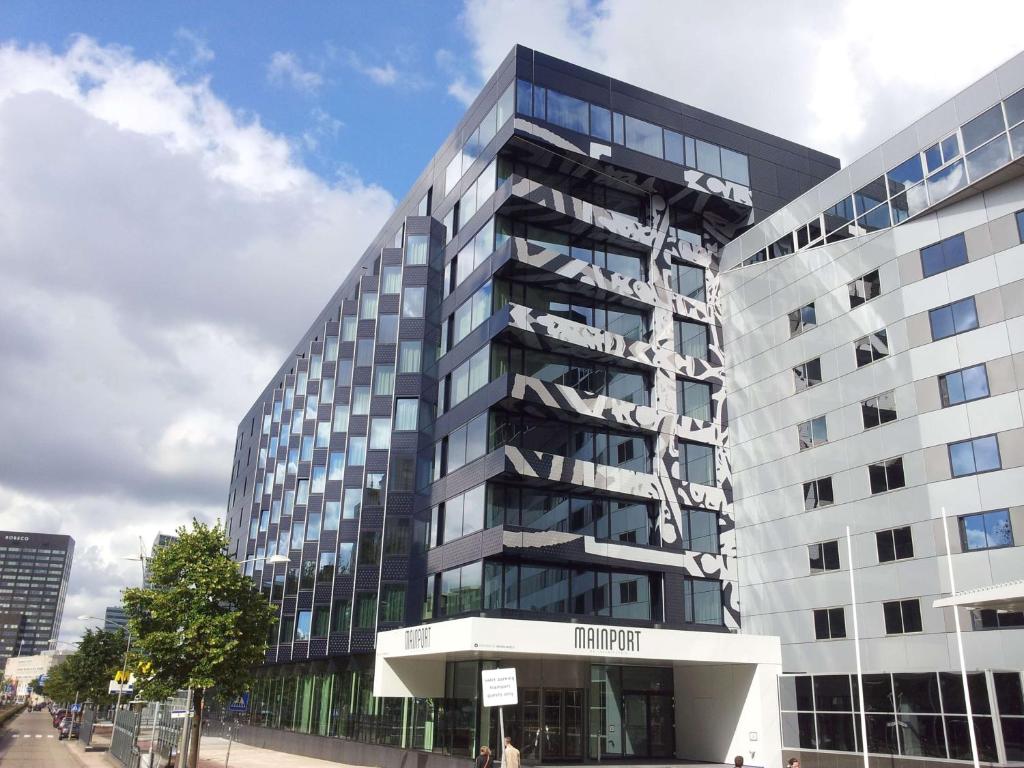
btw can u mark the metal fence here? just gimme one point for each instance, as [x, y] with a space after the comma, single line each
[123, 746]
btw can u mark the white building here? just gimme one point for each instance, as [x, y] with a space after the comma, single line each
[875, 337]
[22, 670]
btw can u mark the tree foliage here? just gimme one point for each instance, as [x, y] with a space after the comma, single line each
[86, 673]
[201, 623]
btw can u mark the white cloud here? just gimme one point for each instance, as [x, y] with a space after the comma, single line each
[197, 51]
[284, 69]
[838, 78]
[462, 91]
[161, 256]
[385, 75]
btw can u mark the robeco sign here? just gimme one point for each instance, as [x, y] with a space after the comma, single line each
[607, 639]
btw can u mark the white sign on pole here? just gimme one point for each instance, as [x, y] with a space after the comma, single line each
[499, 687]
[178, 714]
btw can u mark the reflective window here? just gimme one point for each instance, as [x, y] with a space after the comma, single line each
[568, 112]
[351, 502]
[390, 280]
[812, 432]
[413, 301]
[982, 128]
[688, 280]
[384, 380]
[368, 306]
[410, 356]
[988, 158]
[417, 251]
[387, 329]
[823, 557]
[802, 319]
[986, 530]
[734, 166]
[864, 289]
[886, 475]
[674, 151]
[364, 352]
[818, 493]
[944, 255]
[600, 122]
[356, 451]
[894, 544]
[360, 401]
[872, 347]
[964, 385]
[829, 623]
[942, 184]
[645, 137]
[807, 375]
[691, 339]
[303, 625]
[905, 175]
[693, 399]
[880, 409]
[902, 616]
[702, 601]
[406, 414]
[697, 463]
[709, 158]
[380, 434]
[958, 317]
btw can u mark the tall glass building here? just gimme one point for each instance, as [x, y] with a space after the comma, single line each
[518, 436]
[34, 572]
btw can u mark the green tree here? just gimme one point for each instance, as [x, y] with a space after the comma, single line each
[86, 674]
[201, 624]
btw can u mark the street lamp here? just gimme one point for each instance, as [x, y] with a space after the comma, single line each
[271, 559]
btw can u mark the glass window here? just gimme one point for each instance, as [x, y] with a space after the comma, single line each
[829, 623]
[988, 158]
[886, 475]
[947, 181]
[971, 457]
[697, 463]
[413, 301]
[366, 608]
[878, 410]
[356, 451]
[688, 280]
[364, 352]
[824, 556]
[986, 530]
[813, 432]
[674, 151]
[958, 317]
[709, 158]
[387, 329]
[644, 137]
[384, 380]
[392, 603]
[380, 434]
[600, 123]
[693, 399]
[964, 385]
[905, 175]
[802, 319]
[692, 339]
[410, 356]
[902, 617]
[872, 347]
[302, 625]
[332, 515]
[982, 128]
[818, 493]
[944, 255]
[734, 167]
[406, 413]
[702, 601]
[864, 289]
[390, 280]
[807, 375]
[368, 306]
[360, 401]
[352, 499]
[568, 112]
[894, 544]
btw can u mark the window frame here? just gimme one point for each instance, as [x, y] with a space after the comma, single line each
[798, 321]
[885, 464]
[828, 613]
[869, 340]
[940, 248]
[816, 484]
[962, 529]
[951, 306]
[891, 532]
[972, 441]
[801, 376]
[828, 555]
[903, 616]
[944, 391]
[862, 283]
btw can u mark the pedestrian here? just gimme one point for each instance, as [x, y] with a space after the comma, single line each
[738, 761]
[483, 760]
[793, 762]
[510, 757]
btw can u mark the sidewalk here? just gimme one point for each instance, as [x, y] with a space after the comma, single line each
[93, 756]
[213, 750]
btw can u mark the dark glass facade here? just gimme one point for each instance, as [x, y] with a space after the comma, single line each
[519, 354]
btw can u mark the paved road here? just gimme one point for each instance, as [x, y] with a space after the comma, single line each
[30, 741]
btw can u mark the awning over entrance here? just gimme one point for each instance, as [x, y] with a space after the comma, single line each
[491, 638]
[1008, 596]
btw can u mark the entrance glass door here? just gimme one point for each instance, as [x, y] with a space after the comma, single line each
[630, 712]
[634, 741]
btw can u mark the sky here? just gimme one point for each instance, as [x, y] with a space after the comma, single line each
[183, 185]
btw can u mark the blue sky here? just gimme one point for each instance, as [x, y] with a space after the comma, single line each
[357, 122]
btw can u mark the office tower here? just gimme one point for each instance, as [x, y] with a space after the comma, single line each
[598, 404]
[34, 573]
[114, 618]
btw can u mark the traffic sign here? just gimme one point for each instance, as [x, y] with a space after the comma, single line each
[76, 707]
[42, 679]
[499, 687]
[178, 714]
[239, 703]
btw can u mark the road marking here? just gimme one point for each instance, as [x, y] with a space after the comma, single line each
[39, 735]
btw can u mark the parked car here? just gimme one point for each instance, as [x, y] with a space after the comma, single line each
[58, 716]
[39, 707]
[68, 729]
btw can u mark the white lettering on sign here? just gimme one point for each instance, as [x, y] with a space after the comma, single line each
[16, 538]
[499, 687]
[417, 638]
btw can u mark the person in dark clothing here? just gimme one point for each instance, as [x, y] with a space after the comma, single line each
[483, 760]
